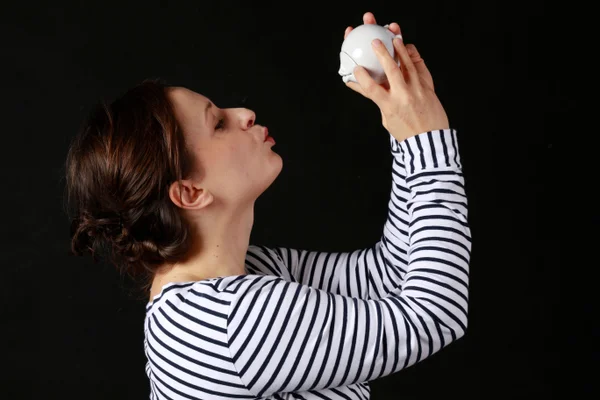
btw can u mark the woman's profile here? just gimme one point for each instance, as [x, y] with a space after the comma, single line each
[166, 181]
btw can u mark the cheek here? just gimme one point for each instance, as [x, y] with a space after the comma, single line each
[246, 161]
[238, 159]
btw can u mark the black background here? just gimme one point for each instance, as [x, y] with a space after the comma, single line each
[70, 328]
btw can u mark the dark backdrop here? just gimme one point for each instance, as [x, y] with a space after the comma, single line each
[70, 328]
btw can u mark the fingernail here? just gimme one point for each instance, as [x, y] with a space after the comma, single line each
[376, 42]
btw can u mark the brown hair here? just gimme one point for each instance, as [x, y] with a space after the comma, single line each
[118, 171]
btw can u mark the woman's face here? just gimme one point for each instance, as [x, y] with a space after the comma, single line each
[232, 160]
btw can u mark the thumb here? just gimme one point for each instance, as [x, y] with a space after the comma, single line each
[356, 87]
[369, 87]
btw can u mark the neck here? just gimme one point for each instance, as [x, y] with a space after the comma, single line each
[220, 240]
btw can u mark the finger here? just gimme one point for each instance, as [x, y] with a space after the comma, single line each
[394, 28]
[356, 87]
[347, 31]
[369, 18]
[406, 64]
[413, 52]
[370, 88]
[419, 64]
[390, 66]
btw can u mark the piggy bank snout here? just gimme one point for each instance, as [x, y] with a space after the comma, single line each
[347, 64]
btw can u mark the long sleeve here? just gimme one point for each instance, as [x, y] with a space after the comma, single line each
[369, 273]
[285, 336]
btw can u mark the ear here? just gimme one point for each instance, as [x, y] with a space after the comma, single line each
[185, 194]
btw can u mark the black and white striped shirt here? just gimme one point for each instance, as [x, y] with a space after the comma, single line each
[315, 325]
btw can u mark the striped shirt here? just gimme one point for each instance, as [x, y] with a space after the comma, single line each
[305, 324]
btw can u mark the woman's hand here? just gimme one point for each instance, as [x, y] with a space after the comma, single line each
[407, 101]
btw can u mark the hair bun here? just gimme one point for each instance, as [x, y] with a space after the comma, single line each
[93, 231]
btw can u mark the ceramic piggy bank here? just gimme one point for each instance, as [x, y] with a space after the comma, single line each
[357, 50]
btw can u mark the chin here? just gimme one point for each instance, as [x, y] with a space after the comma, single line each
[279, 166]
[274, 171]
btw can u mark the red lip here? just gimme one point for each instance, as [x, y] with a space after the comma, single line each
[266, 134]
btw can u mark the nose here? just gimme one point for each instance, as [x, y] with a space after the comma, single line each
[249, 118]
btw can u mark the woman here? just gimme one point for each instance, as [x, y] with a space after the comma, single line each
[168, 182]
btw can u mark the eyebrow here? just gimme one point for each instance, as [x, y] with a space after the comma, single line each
[209, 105]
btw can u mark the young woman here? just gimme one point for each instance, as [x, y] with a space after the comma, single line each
[167, 181]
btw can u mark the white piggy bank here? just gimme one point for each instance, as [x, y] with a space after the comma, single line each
[357, 50]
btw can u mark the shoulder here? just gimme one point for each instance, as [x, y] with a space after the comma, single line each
[214, 293]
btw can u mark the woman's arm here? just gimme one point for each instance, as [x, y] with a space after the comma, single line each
[373, 272]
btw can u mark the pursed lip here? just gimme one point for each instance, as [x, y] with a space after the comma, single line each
[266, 132]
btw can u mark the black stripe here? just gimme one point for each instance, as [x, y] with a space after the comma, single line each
[209, 297]
[365, 339]
[307, 334]
[435, 261]
[411, 158]
[443, 239]
[433, 181]
[431, 144]
[407, 344]
[353, 345]
[442, 249]
[429, 337]
[394, 269]
[442, 228]
[446, 157]
[194, 319]
[155, 386]
[340, 393]
[455, 145]
[438, 295]
[443, 273]
[185, 343]
[390, 220]
[439, 190]
[407, 321]
[339, 354]
[438, 217]
[448, 313]
[422, 156]
[316, 347]
[396, 342]
[190, 346]
[242, 323]
[326, 357]
[434, 318]
[167, 290]
[330, 287]
[249, 283]
[189, 372]
[199, 307]
[190, 385]
[414, 277]
[260, 345]
[421, 174]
